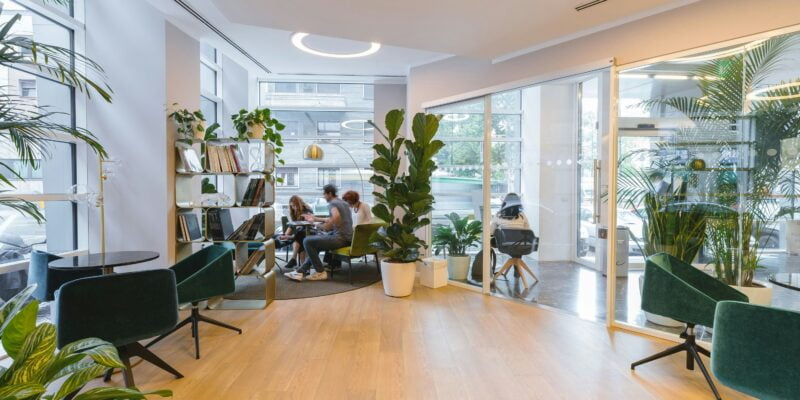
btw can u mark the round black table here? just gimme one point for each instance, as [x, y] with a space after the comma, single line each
[106, 261]
[786, 279]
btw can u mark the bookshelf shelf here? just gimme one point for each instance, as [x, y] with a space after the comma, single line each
[224, 192]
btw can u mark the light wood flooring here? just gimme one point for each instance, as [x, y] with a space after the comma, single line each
[448, 343]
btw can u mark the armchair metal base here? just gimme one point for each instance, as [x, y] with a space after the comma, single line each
[137, 350]
[195, 318]
[693, 352]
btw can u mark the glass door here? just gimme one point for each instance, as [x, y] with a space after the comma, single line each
[588, 170]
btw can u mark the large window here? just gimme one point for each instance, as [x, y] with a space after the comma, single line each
[210, 84]
[333, 116]
[49, 184]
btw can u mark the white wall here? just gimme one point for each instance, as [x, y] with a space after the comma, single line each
[236, 87]
[127, 39]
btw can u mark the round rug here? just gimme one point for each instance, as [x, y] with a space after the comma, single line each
[363, 275]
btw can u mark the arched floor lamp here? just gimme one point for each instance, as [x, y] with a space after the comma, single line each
[314, 152]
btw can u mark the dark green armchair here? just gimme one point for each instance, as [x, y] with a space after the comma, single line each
[756, 350]
[359, 247]
[49, 280]
[682, 292]
[121, 309]
[201, 276]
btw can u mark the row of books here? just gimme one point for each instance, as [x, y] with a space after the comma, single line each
[250, 229]
[254, 193]
[188, 227]
[252, 262]
[225, 158]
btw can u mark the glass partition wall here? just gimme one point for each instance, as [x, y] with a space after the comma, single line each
[544, 147]
[707, 170]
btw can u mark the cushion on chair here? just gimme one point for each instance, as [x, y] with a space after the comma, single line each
[682, 292]
[344, 251]
[120, 308]
[205, 274]
[756, 350]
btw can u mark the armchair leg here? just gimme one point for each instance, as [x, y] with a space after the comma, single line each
[203, 318]
[194, 319]
[350, 269]
[136, 349]
[378, 265]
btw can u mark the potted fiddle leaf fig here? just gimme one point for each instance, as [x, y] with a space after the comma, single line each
[406, 198]
[188, 124]
[37, 371]
[454, 240]
[260, 125]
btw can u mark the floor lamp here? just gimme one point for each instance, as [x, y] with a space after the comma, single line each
[314, 152]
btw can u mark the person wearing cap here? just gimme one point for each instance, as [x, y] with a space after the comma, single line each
[510, 215]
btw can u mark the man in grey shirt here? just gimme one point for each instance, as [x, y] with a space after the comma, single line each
[338, 233]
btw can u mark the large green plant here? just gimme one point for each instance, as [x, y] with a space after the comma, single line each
[406, 198]
[28, 127]
[245, 121]
[457, 237]
[37, 369]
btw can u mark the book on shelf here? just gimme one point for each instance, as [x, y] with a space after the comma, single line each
[252, 262]
[254, 193]
[224, 158]
[249, 230]
[220, 226]
[189, 160]
[189, 227]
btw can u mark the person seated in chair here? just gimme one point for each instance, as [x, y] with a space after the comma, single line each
[297, 210]
[338, 233]
[361, 209]
[510, 216]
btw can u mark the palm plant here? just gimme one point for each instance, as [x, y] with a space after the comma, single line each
[37, 369]
[456, 238]
[26, 127]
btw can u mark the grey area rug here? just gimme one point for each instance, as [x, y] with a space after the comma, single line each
[253, 288]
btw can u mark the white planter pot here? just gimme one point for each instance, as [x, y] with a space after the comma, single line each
[398, 278]
[793, 236]
[761, 295]
[457, 267]
[257, 131]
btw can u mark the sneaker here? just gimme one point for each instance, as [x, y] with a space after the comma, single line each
[318, 276]
[294, 275]
[291, 264]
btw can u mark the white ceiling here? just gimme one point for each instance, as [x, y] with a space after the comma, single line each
[413, 32]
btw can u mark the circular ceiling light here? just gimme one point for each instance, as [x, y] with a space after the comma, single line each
[297, 41]
[364, 125]
[758, 93]
[721, 53]
[456, 117]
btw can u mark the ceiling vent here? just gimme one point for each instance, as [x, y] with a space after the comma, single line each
[592, 3]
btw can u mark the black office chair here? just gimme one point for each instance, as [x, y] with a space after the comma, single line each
[284, 244]
[121, 309]
[516, 243]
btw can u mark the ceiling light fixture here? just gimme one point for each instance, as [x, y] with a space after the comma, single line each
[456, 117]
[721, 53]
[757, 94]
[671, 77]
[364, 127]
[297, 41]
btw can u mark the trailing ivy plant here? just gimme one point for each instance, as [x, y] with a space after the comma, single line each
[246, 122]
[37, 367]
[188, 122]
[406, 198]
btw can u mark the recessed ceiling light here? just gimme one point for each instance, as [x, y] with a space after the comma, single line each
[297, 41]
[456, 117]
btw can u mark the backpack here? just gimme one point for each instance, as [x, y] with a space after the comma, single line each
[477, 265]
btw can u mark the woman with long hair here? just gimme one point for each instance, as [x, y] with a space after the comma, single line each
[361, 209]
[297, 210]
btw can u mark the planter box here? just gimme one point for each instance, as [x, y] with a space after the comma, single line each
[433, 272]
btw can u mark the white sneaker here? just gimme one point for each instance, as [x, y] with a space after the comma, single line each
[294, 275]
[318, 276]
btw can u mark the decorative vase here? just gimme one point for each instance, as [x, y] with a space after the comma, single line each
[256, 131]
[760, 294]
[457, 267]
[398, 278]
[793, 236]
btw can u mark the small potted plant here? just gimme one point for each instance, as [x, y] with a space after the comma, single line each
[406, 198]
[189, 124]
[259, 124]
[454, 240]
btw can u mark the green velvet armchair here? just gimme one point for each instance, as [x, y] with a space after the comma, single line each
[121, 309]
[682, 292]
[49, 280]
[201, 276]
[756, 350]
[359, 247]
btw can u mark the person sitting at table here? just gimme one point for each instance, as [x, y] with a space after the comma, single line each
[510, 215]
[297, 209]
[361, 209]
[337, 233]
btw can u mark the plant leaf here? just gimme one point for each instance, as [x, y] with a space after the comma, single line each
[19, 327]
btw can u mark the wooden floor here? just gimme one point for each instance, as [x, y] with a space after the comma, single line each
[447, 343]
